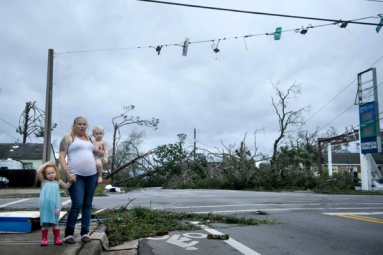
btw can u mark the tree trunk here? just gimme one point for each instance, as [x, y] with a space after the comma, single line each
[114, 148]
[26, 118]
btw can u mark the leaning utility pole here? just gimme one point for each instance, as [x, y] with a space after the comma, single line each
[48, 110]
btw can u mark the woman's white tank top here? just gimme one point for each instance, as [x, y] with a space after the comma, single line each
[80, 158]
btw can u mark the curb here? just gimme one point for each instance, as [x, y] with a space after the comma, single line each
[92, 248]
[100, 245]
[80, 248]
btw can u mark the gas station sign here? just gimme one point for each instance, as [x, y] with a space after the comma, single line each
[369, 128]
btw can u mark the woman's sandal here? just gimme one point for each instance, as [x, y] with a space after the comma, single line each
[85, 238]
[69, 240]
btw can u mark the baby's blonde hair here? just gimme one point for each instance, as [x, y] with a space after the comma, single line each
[57, 178]
[98, 128]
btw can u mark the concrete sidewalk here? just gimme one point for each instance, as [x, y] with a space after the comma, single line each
[29, 243]
[12, 192]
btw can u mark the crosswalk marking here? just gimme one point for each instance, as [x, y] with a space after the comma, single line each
[233, 243]
[15, 202]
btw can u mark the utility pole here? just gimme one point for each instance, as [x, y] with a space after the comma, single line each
[48, 110]
[195, 138]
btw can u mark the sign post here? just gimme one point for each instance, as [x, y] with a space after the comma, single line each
[370, 138]
[369, 128]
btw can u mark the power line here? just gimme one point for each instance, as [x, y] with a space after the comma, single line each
[328, 103]
[158, 48]
[16, 128]
[258, 13]
[376, 115]
[2, 131]
[8, 123]
[336, 117]
[334, 98]
[342, 114]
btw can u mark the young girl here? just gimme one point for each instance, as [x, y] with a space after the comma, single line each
[50, 200]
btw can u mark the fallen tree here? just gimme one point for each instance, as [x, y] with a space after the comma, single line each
[129, 163]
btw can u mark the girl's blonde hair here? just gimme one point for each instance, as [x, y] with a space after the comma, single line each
[72, 133]
[57, 178]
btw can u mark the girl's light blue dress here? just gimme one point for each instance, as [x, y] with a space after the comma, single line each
[50, 203]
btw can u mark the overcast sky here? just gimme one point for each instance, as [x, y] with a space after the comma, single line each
[105, 59]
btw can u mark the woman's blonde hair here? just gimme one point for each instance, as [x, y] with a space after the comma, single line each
[72, 133]
[57, 178]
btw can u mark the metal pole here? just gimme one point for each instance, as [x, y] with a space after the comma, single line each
[329, 159]
[195, 138]
[47, 147]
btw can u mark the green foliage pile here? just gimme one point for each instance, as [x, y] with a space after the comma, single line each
[139, 222]
[293, 168]
[249, 177]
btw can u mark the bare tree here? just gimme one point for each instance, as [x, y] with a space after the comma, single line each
[286, 117]
[127, 120]
[32, 121]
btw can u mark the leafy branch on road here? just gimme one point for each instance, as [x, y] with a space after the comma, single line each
[139, 222]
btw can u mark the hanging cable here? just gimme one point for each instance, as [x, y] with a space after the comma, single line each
[334, 98]
[297, 30]
[257, 13]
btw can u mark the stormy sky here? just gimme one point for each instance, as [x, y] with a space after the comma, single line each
[105, 58]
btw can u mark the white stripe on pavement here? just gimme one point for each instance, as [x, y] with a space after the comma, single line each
[249, 205]
[291, 209]
[235, 244]
[66, 202]
[18, 201]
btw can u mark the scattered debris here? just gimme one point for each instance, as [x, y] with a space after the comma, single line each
[111, 188]
[222, 237]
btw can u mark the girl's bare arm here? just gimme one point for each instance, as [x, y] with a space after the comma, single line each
[39, 171]
[65, 185]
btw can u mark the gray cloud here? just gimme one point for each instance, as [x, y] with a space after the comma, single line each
[223, 95]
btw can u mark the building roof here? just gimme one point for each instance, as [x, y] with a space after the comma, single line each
[350, 158]
[21, 150]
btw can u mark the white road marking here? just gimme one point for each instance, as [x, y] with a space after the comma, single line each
[181, 242]
[101, 210]
[158, 237]
[18, 201]
[291, 209]
[66, 202]
[235, 244]
[277, 204]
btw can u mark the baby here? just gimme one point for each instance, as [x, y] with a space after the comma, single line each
[100, 144]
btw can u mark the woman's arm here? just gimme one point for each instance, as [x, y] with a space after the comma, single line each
[64, 144]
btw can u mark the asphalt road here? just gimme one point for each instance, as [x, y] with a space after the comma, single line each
[305, 223]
